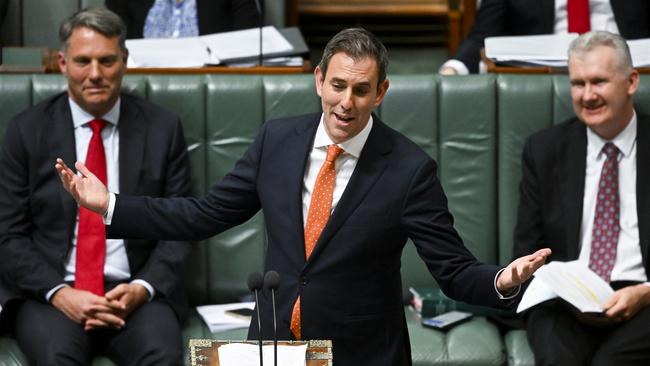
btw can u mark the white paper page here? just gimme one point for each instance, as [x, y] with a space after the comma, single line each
[246, 43]
[640, 51]
[242, 354]
[576, 284]
[536, 293]
[216, 319]
[536, 48]
[168, 52]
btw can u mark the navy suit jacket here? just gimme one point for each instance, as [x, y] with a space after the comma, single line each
[214, 16]
[37, 216]
[552, 190]
[530, 17]
[350, 287]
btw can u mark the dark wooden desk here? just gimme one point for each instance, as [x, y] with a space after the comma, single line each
[205, 352]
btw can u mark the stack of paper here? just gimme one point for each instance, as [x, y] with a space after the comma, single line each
[550, 50]
[211, 49]
[242, 354]
[216, 318]
[574, 282]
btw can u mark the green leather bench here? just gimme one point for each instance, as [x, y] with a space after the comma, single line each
[473, 126]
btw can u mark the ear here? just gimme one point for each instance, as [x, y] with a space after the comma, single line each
[62, 62]
[381, 92]
[634, 82]
[318, 80]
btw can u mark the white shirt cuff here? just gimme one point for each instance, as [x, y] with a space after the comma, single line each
[108, 216]
[146, 285]
[457, 65]
[508, 296]
[49, 294]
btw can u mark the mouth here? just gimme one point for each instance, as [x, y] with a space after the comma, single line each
[594, 109]
[344, 119]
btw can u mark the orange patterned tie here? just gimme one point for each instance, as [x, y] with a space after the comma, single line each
[317, 217]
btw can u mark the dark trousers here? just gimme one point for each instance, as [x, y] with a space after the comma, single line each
[558, 338]
[151, 336]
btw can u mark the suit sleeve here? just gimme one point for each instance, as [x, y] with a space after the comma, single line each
[429, 224]
[529, 231]
[490, 21]
[229, 203]
[24, 267]
[165, 263]
[244, 14]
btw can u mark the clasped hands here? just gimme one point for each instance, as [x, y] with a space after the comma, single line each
[95, 312]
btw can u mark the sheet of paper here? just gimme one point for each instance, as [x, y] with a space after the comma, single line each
[168, 52]
[245, 43]
[216, 318]
[536, 293]
[242, 354]
[550, 50]
[573, 282]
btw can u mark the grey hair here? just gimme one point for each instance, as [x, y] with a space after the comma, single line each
[593, 39]
[357, 43]
[99, 19]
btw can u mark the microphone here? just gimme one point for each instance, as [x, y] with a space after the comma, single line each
[260, 11]
[255, 282]
[272, 281]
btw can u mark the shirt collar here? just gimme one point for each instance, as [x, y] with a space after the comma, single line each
[624, 141]
[80, 117]
[351, 146]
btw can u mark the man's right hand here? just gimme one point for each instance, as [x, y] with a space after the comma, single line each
[86, 189]
[82, 306]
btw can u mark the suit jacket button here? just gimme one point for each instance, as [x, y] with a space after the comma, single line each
[303, 281]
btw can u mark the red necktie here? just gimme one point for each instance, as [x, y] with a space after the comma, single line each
[578, 14]
[317, 217]
[91, 238]
[604, 237]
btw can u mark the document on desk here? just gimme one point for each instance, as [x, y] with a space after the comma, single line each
[573, 282]
[245, 354]
[211, 49]
[550, 50]
[216, 318]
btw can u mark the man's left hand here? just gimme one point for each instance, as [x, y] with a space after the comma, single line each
[123, 299]
[521, 269]
[626, 302]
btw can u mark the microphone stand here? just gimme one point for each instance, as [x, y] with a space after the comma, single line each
[260, 12]
[272, 281]
[255, 282]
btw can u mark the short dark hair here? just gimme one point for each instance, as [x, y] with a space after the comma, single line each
[357, 43]
[99, 19]
[593, 39]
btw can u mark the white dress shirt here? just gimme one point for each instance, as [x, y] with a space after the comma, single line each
[628, 265]
[116, 267]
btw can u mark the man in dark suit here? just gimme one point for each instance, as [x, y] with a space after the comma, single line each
[574, 174]
[128, 304]
[340, 274]
[213, 16]
[629, 18]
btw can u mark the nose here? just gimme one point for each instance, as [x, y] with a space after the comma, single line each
[346, 100]
[95, 71]
[589, 93]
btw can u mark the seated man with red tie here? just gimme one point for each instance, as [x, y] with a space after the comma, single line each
[585, 193]
[72, 293]
[629, 18]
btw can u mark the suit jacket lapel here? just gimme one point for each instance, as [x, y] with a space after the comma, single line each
[298, 150]
[132, 140]
[643, 185]
[59, 136]
[573, 162]
[369, 168]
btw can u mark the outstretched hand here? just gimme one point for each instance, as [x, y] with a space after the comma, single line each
[86, 189]
[521, 269]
